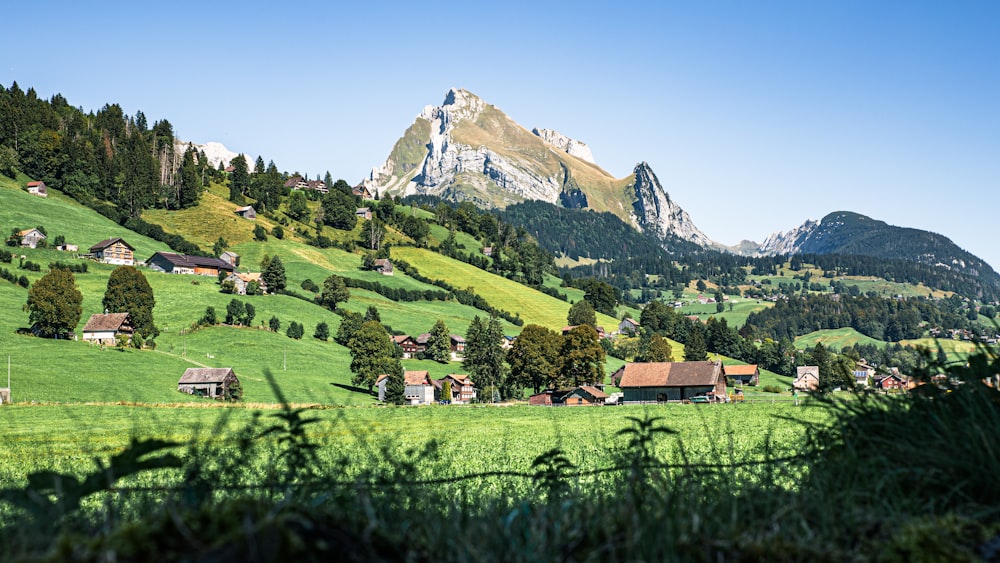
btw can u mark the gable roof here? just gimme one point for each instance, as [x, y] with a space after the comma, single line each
[460, 378]
[105, 322]
[108, 242]
[35, 183]
[187, 261]
[205, 375]
[594, 392]
[805, 371]
[669, 374]
[745, 369]
[25, 232]
[244, 209]
[416, 377]
[401, 338]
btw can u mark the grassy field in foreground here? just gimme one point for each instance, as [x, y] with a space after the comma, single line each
[68, 437]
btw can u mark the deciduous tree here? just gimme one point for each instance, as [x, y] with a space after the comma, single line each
[334, 292]
[581, 357]
[54, 303]
[582, 313]
[534, 357]
[129, 292]
[372, 354]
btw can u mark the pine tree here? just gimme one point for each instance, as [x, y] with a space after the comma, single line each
[239, 180]
[484, 358]
[695, 349]
[439, 343]
[274, 275]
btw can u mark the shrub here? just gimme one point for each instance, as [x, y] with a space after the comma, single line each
[771, 389]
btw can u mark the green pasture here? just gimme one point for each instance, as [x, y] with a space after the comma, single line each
[957, 350]
[737, 317]
[836, 339]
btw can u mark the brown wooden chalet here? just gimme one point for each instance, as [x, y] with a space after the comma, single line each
[648, 382]
[463, 390]
[747, 374]
[578, 396]
[213, 383]
[183, 264]
[362, 192]
[106, 328]
[408, 344]
[114, 251]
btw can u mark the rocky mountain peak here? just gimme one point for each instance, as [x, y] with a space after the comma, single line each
[653, 210]
[570, 146]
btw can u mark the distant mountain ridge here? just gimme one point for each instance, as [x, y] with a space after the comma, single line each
[469, 150]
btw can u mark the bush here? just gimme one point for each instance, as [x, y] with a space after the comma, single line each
[771, 389]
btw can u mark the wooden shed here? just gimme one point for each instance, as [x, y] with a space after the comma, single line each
[214, 383]
[106, 328]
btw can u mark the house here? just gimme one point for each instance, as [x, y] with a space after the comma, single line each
[545, 398]
[487, 251]
[628, 326]
[214, 383]
[106, 328]
[599, 329]
[806, 379]
[183, 264]
[68, 247]
[463, 390]
[38, 188]
[747, 374]
[362, 191]
[31, 237]
[317, 185]
[384, 266]
[507, 342]
[891, 382]
[863, 374]
[363, 213]
[230, 257]
[409, 345]
[457, 346]
[669, 381]
[242, 280]
[418, 390]
[296, 183]
[247, 212]
[114, 251]
[578, 396]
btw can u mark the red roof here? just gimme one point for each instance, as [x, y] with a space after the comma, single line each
[669, 374]
[746, 369]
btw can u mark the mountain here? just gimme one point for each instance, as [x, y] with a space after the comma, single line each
[844, 232]
[469, 150]
[215, 152]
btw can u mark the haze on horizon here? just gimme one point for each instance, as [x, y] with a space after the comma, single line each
[754, 117]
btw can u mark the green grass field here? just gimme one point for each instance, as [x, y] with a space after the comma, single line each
[735, 317]
[836, 339]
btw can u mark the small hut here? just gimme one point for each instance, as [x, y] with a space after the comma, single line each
[215, 383]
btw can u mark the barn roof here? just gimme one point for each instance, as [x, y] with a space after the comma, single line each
[105, 322]
[745, 369]
[205, 375]
[188, 261]
[108, 242]
[416, 377]
[669, 374]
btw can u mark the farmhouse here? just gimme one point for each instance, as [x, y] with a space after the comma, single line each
[215, 383]
[242, 280]
[114, 251]
[463, 390]
[418, 390]
[628, 326]
[38, 188]
[296, 183]
[457, 347]
[806, 379]
[363, 213]
[383, 266]
[247, 212]
[31, 237]
[578, 396]
[362, 192]
[183, 264]
[230, 257]
[408, 344]
[863, 374]
[669, 381]
[487, 251]
[105, 329]
[747, 374]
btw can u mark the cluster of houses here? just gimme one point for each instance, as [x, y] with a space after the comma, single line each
[411, 346]
[421, 389]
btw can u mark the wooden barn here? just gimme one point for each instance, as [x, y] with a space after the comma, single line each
[106, 328]
[214, 383]
[747, 374]
[648, 382]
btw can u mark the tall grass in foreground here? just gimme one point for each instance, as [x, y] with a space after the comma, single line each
[890, 478]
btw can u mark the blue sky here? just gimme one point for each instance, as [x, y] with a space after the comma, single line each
[754, 115]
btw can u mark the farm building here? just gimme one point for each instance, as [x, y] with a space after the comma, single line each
[114, 251]
[247, 212]
[577, 396]
[383, 266]
[806, 378]
[463, 390]
[215, 383]
[408, 344]
[184, 264]
[362, 192]
[747, 374]
[230, 257]
[38, 188]
[242, 280]
[363, 213]
[419, 390]
[106, 328]
[31, 237]
[669, 381]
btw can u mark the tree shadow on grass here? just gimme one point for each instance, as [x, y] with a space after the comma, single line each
[352, 388]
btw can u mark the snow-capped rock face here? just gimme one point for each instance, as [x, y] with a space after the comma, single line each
[790, 242]
[655, 212]
[215, 152]
[576, 148]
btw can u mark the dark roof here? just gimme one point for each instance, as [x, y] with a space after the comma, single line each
[205, 375]
[108, 321]
[669, 374]
[108, 242]
[184, 260]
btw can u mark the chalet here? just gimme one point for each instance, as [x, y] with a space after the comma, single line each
[457, 346]
[362, 191]
[296, 183]
[31, 237]
[247, 212]
[38, 188]
[183, 264]
[864, 374]
[363, 213]
[578, 396]
[806, 378]
[317, 186]
[383, 266]
[418, 390]
[114, 251]
[599, 329]
[747, 374]
[242, 280]
[214, 383]
[422, 340]
[628, 326]
[408, 345]
[463, 390]
[891, 382]
[106, 328]
[487, 251]
[230, 257]
[669, 381]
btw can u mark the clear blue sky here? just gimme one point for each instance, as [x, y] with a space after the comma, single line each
[754, 115]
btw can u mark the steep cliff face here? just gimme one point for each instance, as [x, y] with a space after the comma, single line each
[654, 211]
[469, 150]
[791, 242]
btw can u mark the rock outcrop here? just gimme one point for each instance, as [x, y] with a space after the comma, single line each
[576, 148]
[655, 212]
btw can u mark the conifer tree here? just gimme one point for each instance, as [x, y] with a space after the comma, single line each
[439, 343]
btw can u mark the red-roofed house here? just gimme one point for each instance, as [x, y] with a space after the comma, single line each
[648, 382]
[38, 188]
[408, 344]
[747, 374]
[463, 390]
